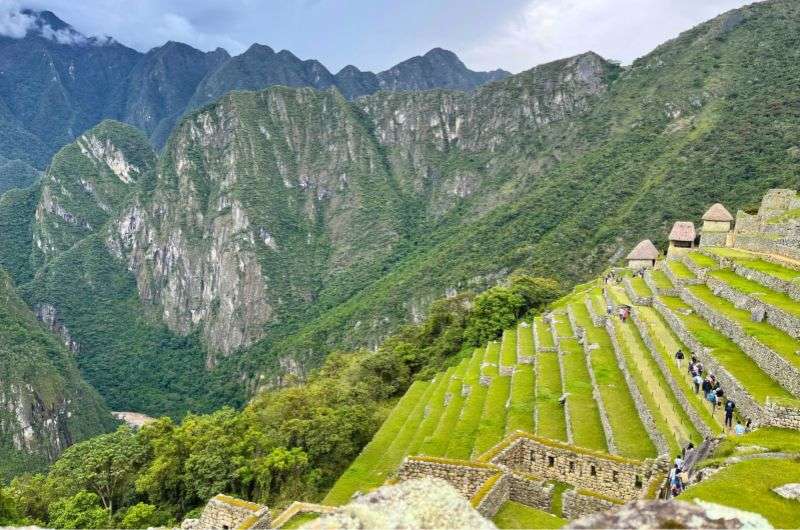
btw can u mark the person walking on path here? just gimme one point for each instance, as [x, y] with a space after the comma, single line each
[679, 356]
[698, 380]
[730, 405]
[711, 396]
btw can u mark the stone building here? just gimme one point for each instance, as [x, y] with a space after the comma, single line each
[717, 230]
[228, 513]
[775, 228]
[643, 255]
[681, 239]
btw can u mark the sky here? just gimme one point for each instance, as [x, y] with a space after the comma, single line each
[376, 34]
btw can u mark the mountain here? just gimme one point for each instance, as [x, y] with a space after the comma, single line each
[57, 83]
[45, 405]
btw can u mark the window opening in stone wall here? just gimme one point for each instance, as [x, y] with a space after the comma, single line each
[638, 482]
[226, 527]
[593, 471]
[615, 476]
[551, 461]
[572, 467]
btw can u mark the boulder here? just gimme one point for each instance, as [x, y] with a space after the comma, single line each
[789, 491]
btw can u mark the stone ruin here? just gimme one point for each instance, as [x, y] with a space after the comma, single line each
[228, 513]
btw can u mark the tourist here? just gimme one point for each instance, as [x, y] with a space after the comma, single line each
[749, 426]
[711, 396]
[688, 449]
[609, 309]
[679, 356]
[730, 405]
[698, 380]
[699, 368]
[678, 463]
[740, 429]
[706, 386]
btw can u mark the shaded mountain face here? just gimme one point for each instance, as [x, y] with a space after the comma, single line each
[56, 83]
[45, 405]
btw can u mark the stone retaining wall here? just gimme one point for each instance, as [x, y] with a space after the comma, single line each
[766, 358]
[465, 478]
[297, 508]
[700, 272]
[576, 505]
[535, 494]
[775, 316]
[680, 395]
[537, 345]
[490, 504]
[567, 416]
[776, 284]
[777, 414]
[597, 320]
[651, 283]
[631, 292]
[641, 406]
[223, 511]
[744, 401]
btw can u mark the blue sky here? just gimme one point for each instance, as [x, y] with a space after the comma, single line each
[375, 34]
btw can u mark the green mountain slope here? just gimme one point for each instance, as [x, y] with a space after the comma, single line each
[45, 404]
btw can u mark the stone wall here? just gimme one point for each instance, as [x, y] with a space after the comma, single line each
[576, 504]
[698, 423]
[530, 492]
[563, 372]
[700, 272]
[776, 284]
[537, 344]
[635, 298]
[597, 320]
[779, 414]
[494, 498]
[710, 238]
[769, 361]
[641, 406]
[616, 477]
[771, 230]
[224, 512]
[733, 389]
[463, 476]
[651, 283]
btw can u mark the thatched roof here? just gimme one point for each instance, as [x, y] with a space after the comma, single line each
[645, 250]
[718, 213]
[682, 231]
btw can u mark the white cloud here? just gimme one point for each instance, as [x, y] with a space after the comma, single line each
[546, 30]
[13, 23]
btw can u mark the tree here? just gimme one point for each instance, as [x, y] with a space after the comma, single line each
[537, 292]
[494, 310]
[105, 465]
[82, 510]
[32, 495]
[9, 512]
[143, 515]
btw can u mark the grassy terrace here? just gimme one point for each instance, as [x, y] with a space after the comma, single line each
[680, 270]
[371, 467]
[661, 280]
[492, 423]
[543, 332]
[775, 339]
[752, 261]
[436, 443]
[462, 434]
[525, 340]
[548, 389]
[492, 353]
[521, 405]
[595, 297]
[563, 327]
[508, 348]
[630, 436]
[758, 291]
[666, 344]
[738, 363]
[701, 260]
[587, 430]
[435, 407]
[515, 515]
[748, 486]
[640, 287]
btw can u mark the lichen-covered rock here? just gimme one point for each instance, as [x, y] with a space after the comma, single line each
[789, 491]
[672, 514]
[422, 503]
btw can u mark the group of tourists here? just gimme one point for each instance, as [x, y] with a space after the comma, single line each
[712, 390]
[678, 476]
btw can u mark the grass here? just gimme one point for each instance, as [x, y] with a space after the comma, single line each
[525, 340]
[521, 405]
[370, 467]
[434, 408]
[771, 438]
[299, 520]
[492, 353]
[461, 436]
[747, 486]
[661, 280]
[515, 515]
[758, 291]
[728, 354]
[562, 325]
[543, 332]
[752, 261]
[508, 348]
[436, 443]
[587, 429]
[680, 270]
[666, 343]
[557, 501]
[492, 424]
[771, 337]
[640, 287]
[630, 436]
[550, 412]
[701, 260]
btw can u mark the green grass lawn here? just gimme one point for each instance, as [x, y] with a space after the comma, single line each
[548, 390]
[515, 515]
[666, 344]
[661, 280]
[640, 287]
[299, 520]
[738, 363]
[758, 291]
[752, 261]
[435, 408]
[521, 405]
[370, 468]
[630, 436]
[680, 270]
[543, 332]
[701, 260]
[508, 348]
[748, 486]
[525, 340]
[771, 337]
[587, 430]
[492, 423]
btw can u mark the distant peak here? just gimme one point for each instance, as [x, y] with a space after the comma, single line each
[259, 48]
[440, 52]
[45, 24]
